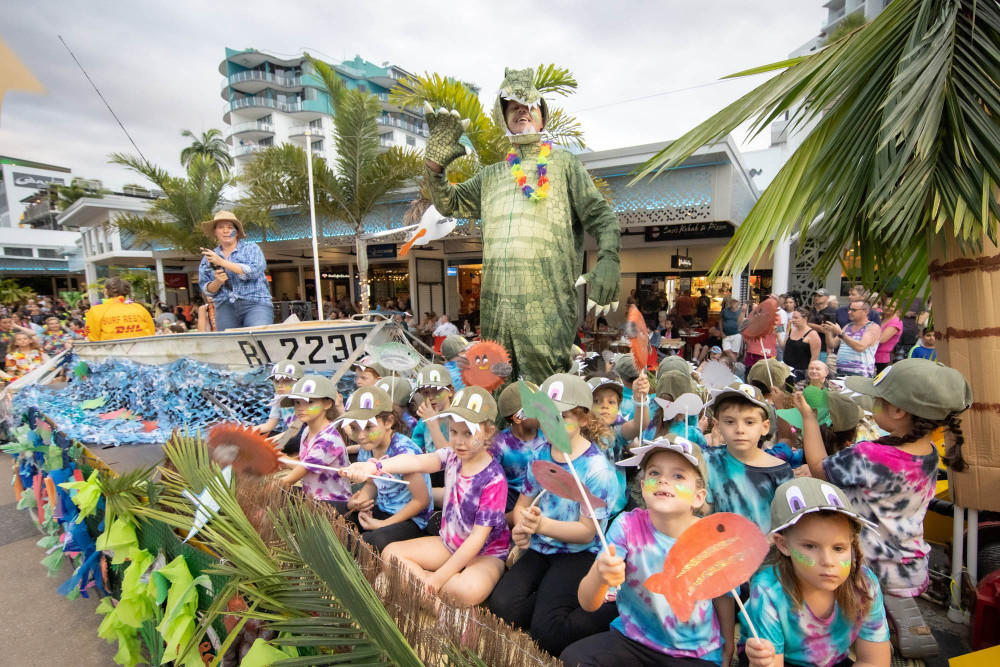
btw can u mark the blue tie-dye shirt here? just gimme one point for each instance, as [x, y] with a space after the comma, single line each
[801, 636]
[514, 455]
[597, 476]
[733, 486]
[393, 497]
[420, 435]
[627, 407]
[645, 617]
[615, 449]
[692, 432]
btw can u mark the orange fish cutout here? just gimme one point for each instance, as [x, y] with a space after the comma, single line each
[243, 448]
[638, 337]
[485, 364]
[150, 426]
[559, 482]
[761, 320]
[709, 559]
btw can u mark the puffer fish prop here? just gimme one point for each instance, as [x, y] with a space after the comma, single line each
[245, 449]
[709, 559]
[485, 364]
[761, 320]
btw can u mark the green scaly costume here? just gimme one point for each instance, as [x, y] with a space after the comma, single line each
[532, 250]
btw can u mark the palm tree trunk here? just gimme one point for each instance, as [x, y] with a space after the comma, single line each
[365, 291]
[965, 290]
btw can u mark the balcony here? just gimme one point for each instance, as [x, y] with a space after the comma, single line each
[247, 151]
[253, 130]
[254, 81]
[40, 212]
[300, 131]
[389, 121]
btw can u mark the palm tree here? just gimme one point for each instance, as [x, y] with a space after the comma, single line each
[11, 292]
[175, 220]
[903, 166]
[210, 145]
[350, 187]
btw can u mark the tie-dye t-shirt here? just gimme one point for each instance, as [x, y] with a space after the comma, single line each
[596, 474]
[479, 500]
[692, 432]
[891, 488]
[646, 617]
[614, 451]
[393, 497]
[627, 408]
[326, 448]
[514, 455]
[409, 419]
[801, 636]
[422, 436]
[733, 486]
[285, 417]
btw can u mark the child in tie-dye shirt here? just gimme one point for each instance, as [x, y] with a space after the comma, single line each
[607, 399]
[557, 537]
[892, 480]
[466, 560]
[743, 476]
[515, 446]
[815, 598]
[647, 632]
[283, 377]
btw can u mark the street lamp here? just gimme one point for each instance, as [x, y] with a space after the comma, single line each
[312, 219]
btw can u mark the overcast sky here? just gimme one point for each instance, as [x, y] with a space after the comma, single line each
[157, 62]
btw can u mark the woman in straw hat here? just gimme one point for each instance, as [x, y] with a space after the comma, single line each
[232, 275]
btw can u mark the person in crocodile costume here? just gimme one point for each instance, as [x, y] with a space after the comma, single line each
[534, 209]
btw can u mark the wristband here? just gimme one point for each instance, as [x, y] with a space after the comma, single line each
[642, 403]
[378, 467]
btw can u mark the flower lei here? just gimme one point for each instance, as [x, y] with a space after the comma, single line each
[517, 171]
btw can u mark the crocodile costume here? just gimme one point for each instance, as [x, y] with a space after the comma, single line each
[532, 249]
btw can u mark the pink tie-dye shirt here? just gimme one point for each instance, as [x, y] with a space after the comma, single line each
[479, 500]
[326, 448]
[892, 488]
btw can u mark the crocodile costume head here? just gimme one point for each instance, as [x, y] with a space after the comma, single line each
[519, 86]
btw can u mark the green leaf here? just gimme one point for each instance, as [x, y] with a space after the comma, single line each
[94, 403]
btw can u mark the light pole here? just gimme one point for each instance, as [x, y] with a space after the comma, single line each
[312, 219]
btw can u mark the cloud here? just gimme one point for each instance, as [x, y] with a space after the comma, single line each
[157, 63]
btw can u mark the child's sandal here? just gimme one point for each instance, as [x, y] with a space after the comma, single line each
[913, 636]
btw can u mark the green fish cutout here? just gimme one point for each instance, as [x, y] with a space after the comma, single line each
[537, 405]
[94, 403]
[81, 370]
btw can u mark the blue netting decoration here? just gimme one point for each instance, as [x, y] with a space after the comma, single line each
[170, 394]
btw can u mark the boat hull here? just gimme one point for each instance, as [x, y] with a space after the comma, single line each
[320, 346]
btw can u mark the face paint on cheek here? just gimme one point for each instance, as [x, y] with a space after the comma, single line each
[375, 436]
[571, 428]
[845, 567]
[684, 493]
[802, 559]
[315, 409]
[650, 484]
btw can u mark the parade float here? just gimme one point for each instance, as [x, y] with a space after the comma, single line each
[196, 564]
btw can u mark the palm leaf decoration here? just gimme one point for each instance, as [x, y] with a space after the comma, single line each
[288, 558]
[904, 142]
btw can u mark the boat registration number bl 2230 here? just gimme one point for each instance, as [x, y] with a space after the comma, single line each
[316, 351]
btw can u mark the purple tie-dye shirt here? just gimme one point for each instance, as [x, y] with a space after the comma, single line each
[326, 448]
[802, 637]
[479, 500]
[514, 455]
[646, 617]
[892, 488]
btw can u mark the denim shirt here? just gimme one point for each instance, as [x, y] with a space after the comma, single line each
[251, 285]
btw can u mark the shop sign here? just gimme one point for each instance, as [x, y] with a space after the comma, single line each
[452, 271]
[35, 181]
[382, 251]
[689, 231]
[681, 262]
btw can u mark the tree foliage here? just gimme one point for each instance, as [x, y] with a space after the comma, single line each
[905, 143]
[209, 145]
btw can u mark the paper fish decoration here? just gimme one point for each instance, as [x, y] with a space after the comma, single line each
[557, 481]
[686, 404]
[81, 370]
[761, 320]
[94, 403]
[709, 559]
[485, 364]
[150, 426]
[243, 448]
[396, 357]
[716, 375]
[536, 405]
[432, 227]
[638, 337]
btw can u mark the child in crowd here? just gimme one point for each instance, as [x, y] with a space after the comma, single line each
[386, 511]
[646, 632]
[466, 560]
[670, 386]
[317, 403]
[624, 368]
[559, 539]
[771, 376]
[434, 392]
[892, 480]
[925, 347]
[24, 355]
[57, 338]
[283, 378]
[607, 397]
[515, 446]
[743, 476]
[714, 354]
[366, 374]
[451, 348]
[399, 391]
[815, 598]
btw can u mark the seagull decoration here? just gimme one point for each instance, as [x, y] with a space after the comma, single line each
[432, 227]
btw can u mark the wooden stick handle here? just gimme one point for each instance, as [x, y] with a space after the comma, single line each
[586, 500]
[294, 462]
[746, 616]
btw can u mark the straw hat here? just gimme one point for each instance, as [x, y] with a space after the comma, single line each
[208, 227]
